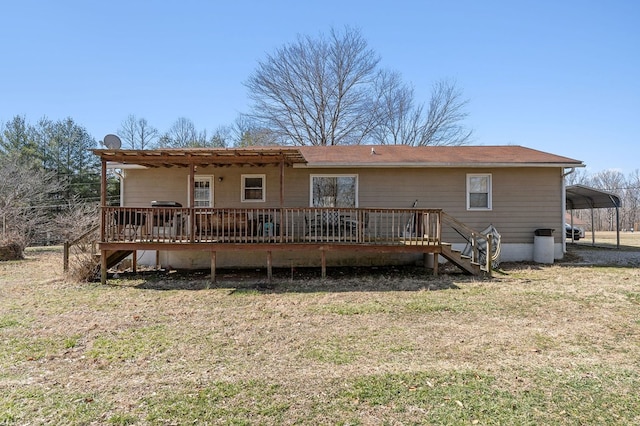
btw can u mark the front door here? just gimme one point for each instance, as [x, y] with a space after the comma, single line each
[203, 191]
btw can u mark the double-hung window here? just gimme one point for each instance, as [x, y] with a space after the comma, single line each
[253, 188]
[479, 191]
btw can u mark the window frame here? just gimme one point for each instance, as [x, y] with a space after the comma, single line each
[243, 187]
[489, 178]
[211, 180]
[335, 175]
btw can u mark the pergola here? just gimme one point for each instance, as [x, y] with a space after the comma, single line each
[580, 197]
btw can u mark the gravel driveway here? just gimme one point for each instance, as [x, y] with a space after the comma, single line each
[581, 255]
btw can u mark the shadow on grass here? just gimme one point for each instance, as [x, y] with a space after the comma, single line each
[296, 280]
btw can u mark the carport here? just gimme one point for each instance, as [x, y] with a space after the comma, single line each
[580, 197]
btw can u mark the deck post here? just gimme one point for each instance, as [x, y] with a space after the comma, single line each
[103, 267]
[134, 261]
[192, 190]
[213, 267]
[65, 256]
[436, 259]
[103, 198]
[324, 264]
[269, 267]
[489, 255]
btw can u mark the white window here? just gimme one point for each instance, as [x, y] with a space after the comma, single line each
[203, 191]
[253, 188]
[334, 191]
[479, 191]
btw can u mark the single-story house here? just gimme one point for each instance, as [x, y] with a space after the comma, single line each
[329, 205]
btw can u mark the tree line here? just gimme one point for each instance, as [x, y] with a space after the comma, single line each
[615, 182]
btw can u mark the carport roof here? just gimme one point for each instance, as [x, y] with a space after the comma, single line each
[584, 197]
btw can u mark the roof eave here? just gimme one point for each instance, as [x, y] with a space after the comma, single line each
[326, 165]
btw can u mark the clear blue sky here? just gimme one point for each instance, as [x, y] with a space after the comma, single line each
[560, 76]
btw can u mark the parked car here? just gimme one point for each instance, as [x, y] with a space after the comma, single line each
[573, 231]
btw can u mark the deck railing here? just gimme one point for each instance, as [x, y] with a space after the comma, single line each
[368, 226]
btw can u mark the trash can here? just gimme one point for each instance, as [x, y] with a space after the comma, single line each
[543, 249]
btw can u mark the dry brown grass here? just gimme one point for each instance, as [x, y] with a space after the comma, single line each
[609, 239]
[157, 350]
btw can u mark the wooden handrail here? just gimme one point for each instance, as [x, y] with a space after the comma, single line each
[68, 244]
[473, 237]
[380, 226]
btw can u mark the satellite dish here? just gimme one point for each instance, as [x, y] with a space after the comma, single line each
[112, 142]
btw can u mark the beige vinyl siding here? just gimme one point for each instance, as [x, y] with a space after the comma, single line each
[159, 184]
[171, 184]
[524, 199]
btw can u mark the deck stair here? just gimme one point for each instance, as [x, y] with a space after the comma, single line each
[114, 257]
[461, 261]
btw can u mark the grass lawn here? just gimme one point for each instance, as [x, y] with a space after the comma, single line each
[535, 345]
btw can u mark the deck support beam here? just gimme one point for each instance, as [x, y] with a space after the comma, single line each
[324, 263]
[269, 267]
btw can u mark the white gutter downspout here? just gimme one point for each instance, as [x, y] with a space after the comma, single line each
[564, 209]
[120, 175]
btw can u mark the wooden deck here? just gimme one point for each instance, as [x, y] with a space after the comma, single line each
[279, 229]
[271, 226]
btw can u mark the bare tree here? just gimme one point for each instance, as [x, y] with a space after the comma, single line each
[25, 200]
[611, 181]
[446, 112]
[182, 134]
[317, 91]
[578, 177]
[400, 120]
[147, 134]
[221, 137]
[75, 219]
[632, 200]
[329, 91]
[128, 131]
[247, 132]
[137, 132]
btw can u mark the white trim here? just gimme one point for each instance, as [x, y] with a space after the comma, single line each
[196, 178]
[489, 191]
[243, 187]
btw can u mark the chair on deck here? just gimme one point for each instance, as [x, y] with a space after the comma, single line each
[336, 224]
[129, 222]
